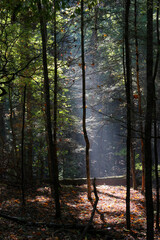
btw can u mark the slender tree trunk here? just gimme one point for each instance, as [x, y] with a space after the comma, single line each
[55, 166]
[14, 142]
[148, 123]
[22, 148]
[156, 170]
[2, 124]
[139, 97]
[128, 89]
[2, 137]
[155, 123]
[54, 181]
[133, 167]
[29, 136]
[84, 103]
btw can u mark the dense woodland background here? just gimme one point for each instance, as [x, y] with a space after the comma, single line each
[79, 98]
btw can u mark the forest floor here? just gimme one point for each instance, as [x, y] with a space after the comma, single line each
[36, 220]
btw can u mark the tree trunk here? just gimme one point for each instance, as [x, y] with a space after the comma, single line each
[156, 170]
[84, 104]
[14, 141]
[128, 89]
[155, 123]
[29, 136]
[133, 167]
[54, 181]
[139, 97]
[148, 123]
[55, 165]
[22, 148]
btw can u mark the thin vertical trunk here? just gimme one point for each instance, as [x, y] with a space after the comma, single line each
[2, 124]
[30, 136]
[139, 96]
[148, 123]
[14, 142]
[128, 89]
[55, 166]
[54, 180]
[22, 148]
[84, 103]
[155, 123]
[156, 170]
[133, 167]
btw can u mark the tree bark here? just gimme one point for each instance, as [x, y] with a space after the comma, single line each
[139, 97]
[155, 122]
[133, 167]
[55, 166]
[54, 180]
[22, 148]
[29, 136]
[148, 123]
[84, 103]
[128, 90]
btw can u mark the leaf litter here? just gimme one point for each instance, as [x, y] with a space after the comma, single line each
[109, 221]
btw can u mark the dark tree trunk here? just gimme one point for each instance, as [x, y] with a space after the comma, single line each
[84, 103]
[139, 95]
[128, 90]
[29, 136]
[55, 165]
[148, 123]
[22, 148]
[14, 142]
[133, 167]
[2, 124]
[155, 123]
[54, 180]
[156, 170]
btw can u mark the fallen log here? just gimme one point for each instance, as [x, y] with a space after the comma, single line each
[23, 221]
[112, 181]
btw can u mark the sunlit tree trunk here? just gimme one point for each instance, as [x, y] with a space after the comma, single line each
[54, 180]
[84, 104]
[148, 123]
[139, 97]
[128, 91]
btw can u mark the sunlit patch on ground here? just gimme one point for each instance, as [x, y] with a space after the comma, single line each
[76, 208]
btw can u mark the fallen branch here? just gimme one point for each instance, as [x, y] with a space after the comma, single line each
[23, 221]
[93, 211]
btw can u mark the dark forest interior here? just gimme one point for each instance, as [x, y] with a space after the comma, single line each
[79, 119]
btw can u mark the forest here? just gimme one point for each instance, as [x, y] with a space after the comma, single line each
[79, 119]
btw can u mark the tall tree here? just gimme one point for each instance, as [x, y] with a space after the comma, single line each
[139, 95]
[54, 177]
[155, 120]
[148, 123]
[128, 93]
[29, 133]
[22, 148]
[55, 166]
[84, 102]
